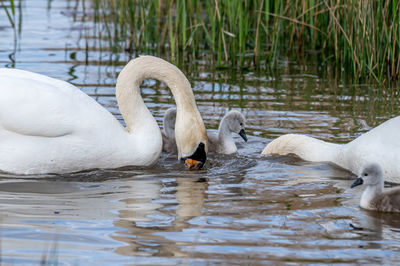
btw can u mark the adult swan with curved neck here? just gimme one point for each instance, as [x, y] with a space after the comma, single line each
[380, 145]
[50, 126]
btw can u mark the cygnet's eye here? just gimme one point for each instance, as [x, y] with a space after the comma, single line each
[365, 174]
[241, 124]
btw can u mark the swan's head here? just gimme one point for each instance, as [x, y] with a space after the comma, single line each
[191, 138]
[371, 175]
[196, 158]
[236, 123]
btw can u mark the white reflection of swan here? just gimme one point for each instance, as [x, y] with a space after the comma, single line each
[145, 213]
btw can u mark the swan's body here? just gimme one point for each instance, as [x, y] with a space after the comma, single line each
[381, 145]
[222, 142]
[50, 126]
[374, 197]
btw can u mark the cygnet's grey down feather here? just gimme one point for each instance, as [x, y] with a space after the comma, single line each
[168, 135]
[222, 142]
[374, 197]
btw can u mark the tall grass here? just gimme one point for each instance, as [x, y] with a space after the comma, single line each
[360, 36]
[15, 20]
[10, 11]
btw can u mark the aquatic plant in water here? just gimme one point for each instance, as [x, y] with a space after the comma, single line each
[362, 37]
[10, 13]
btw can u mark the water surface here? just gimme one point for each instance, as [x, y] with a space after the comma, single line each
[240, 209]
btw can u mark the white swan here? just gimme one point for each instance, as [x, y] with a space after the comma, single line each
[374, 197]
[381, 145]
[50, 126]
[222, 142]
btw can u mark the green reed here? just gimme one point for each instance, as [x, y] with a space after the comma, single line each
[360, 36]
[9, 10]
[13, 11]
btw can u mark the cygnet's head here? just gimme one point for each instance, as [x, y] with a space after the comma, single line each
[169, 122]
[235, 122]
[371, 175]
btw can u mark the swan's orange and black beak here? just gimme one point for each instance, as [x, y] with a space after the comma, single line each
[198, 159]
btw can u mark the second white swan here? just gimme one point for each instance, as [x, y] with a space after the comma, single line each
[381, 145]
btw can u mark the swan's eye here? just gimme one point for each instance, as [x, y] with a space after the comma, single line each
[241, 124]
[365, 174]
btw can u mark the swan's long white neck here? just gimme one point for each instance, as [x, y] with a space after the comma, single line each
[305, 147]
[138, 118]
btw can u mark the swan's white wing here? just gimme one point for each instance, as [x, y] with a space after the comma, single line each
[381, 145]
[382, 139]
[36, 105]
[50, 126]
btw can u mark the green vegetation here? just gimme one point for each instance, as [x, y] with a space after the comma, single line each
[362, 37]
[10, 13]
[15, 18]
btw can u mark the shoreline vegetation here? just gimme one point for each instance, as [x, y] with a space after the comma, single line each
[357, 36]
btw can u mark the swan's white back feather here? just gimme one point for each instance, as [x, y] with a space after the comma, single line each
[36, 105]
[381, 145]
[48, 125]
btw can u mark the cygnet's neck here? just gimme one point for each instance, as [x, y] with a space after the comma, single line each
[305, 147]
[169, 132]
[169, 123]
[370, 192]
[225, 136]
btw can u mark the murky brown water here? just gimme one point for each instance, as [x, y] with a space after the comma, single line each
[240, 209]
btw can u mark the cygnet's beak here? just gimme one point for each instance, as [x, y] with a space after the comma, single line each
[197, 160]
[242, 133]
[359, 181]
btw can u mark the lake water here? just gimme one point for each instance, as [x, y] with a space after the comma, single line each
[240, 209]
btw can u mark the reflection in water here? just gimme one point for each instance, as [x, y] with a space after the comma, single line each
[153, 206]
[140, 200]
[241, 209]
[190, 194]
